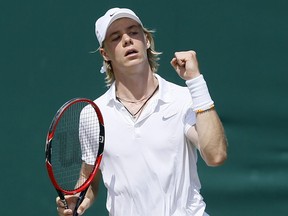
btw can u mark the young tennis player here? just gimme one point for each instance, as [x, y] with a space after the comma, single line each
[153, 127]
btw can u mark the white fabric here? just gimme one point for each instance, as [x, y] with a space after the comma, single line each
[199, 93]
[148, 166]
[89, 136]
[102, 24]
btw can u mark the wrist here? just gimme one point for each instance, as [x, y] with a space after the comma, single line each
[201, 98]
[192, 75]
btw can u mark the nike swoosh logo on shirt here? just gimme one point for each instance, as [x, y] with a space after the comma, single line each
[169, 115]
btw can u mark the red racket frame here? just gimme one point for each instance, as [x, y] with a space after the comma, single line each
[50, 136]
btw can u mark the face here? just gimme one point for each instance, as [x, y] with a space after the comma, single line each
[125, 45]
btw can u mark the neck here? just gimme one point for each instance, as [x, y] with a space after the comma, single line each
[134, 114]
[136, 87]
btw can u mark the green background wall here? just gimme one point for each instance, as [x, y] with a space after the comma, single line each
[242, 49]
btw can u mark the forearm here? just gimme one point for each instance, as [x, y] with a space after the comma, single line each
[212, 141]
[92, 191]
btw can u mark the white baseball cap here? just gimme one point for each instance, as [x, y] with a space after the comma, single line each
[109, 17]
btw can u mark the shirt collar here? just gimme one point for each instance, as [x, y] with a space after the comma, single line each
[165, 93]
[111, 94]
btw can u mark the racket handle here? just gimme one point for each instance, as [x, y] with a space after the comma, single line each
[62, 198]
[65, 203]
[79, 201]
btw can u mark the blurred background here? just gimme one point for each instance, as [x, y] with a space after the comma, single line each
[241, 46]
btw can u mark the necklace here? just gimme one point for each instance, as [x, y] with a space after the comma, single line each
[129, 101]
[135, 114]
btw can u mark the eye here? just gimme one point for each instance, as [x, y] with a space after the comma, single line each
[133, 33]
[115, 37]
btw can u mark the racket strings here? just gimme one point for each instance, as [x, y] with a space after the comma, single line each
[76, 140]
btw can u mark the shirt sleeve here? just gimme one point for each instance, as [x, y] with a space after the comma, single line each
[190, 119]
[88, 135]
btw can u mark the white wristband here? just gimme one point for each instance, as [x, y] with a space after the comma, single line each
[200, 94]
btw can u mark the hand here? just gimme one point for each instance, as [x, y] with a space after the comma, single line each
[71, 201]
[185, 64]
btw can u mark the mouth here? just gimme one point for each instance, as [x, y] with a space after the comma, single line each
[130, 52]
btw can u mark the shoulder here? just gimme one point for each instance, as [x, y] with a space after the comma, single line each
[173, 91]
[106, 97]
[163, 81]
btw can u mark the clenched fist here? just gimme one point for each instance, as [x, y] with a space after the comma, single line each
[185, 64]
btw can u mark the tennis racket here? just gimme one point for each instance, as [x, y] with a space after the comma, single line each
[74, 148]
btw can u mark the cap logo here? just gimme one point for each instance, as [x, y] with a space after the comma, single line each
[112, 14]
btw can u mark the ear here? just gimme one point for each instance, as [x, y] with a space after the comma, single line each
[104, 54]
[148, 44]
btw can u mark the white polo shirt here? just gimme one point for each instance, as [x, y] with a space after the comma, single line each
[148, 166]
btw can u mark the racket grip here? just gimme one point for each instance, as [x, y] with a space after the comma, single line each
[79, 201]
[62, 198]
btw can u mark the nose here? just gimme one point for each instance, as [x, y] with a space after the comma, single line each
[126, 40]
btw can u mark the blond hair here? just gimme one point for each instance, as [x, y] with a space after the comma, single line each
[153, 58]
